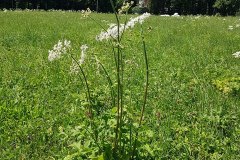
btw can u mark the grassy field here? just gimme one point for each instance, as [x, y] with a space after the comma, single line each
[193, 106]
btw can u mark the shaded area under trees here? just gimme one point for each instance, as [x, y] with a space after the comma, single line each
[204, 7]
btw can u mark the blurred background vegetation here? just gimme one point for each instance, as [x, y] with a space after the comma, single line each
[185, 7]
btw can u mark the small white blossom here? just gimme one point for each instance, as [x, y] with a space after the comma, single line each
[83, 48]
[236, 55]
[86, 13]
[74, 68]
[67, 43]
[197, 17]
[175, 15]
[58, 49]
[230, 27]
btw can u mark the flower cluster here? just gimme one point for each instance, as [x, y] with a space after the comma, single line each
[112, 31]
[74, 67]
[236, 55]
[125, 7]
[59, 49]
[232, 27]
[86, 13]
[140, 19]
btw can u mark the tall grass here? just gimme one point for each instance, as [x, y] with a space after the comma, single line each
[186, 115]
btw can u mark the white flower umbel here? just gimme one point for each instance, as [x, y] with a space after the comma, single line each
[139, 19]
[112, 31]
[74, 68]
[236, 55]
[59, 49]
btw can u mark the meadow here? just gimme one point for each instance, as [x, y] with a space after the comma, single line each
[193, 105]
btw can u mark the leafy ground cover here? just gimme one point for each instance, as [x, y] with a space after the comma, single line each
[193, 105]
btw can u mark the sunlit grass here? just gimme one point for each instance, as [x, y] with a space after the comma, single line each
[186, 54]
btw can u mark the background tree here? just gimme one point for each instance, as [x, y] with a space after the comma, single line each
[227, 7]
[185, 7]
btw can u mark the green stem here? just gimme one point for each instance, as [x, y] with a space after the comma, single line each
[147, 77]
[118, 79]
[145, 91]
[86, 85]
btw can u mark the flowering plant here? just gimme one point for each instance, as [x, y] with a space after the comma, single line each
[121, 146]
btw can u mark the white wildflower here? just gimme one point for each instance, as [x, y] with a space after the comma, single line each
[175, 15]
[86, 13]
[197, 17]
[67, 43]
[112, 31]
[125, 7]
[83, 48]
[230, 27]
[236, 55]
[74, 68]
[58, 49]
[237, 25]
[139, 19]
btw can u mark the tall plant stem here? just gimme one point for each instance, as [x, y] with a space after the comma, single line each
[118, 79]
[121, 98]
[145, 90]
[147, 77]
[86, 85]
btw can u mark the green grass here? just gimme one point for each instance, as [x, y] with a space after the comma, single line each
[186, 115]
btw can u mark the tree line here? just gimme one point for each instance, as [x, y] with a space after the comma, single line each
[185, 7]
[204, 7]
[97, 5]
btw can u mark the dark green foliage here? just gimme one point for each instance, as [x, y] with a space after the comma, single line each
[139, 10]
[209, 7]
[194, 7]
[227, 7]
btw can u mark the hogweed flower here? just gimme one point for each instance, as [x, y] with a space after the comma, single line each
[74, 68]
[59, 49]
[237, 54]
[112, 31]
